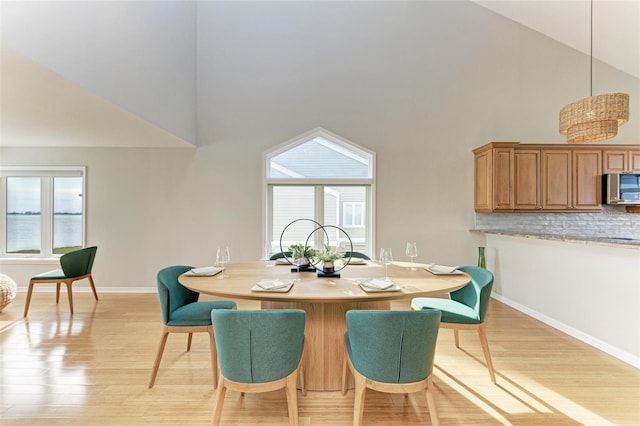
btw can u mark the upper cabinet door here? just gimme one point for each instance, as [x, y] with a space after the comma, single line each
[556, 179]
[587, 183]
[634, 161]
[503, 178]
[527, 179]
[621, 161]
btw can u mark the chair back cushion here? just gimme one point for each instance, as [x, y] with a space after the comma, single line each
[392, 346]
[477, 293]
[171, 293]
[79, 262]
[356, 254]
[258, 346]
[280, 255]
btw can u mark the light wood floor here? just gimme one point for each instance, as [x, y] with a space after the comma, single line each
[92, 368]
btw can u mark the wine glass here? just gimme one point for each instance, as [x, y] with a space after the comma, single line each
[386, 257]
[222, 257]
[412, 251]
[267, 254]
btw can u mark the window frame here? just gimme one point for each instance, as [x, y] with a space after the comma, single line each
[362, 211]
[46, 175]
[319, 184]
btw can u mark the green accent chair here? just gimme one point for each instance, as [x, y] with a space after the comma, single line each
[182, 313]
[356, 254]
[260, 351]
[390, 351]
[466, 308]
[75, 266]
[280, 255]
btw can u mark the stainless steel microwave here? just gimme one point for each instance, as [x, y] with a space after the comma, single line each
[622, 189]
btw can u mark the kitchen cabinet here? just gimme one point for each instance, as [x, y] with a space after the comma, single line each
[527, 179]
[587, 181]
[621, 161]
[556, 179]
[494, 177]
[514, 177]
[571, 179]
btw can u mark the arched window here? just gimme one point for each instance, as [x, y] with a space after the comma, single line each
[323, 177]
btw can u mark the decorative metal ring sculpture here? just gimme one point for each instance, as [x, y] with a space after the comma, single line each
[313, 264]
[282, 234]
[334, 273]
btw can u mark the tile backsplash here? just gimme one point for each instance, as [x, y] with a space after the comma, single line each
[612, 222]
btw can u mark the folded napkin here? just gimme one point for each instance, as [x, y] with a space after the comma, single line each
[272, 284]
[205, 270]
[378, 284]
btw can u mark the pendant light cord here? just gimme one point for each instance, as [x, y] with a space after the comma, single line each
[591, 53]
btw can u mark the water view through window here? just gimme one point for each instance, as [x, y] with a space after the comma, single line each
[26, 210]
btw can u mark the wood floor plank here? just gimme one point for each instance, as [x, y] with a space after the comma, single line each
[94, 367]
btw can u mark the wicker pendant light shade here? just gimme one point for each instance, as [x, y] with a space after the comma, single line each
[597, 117]
[594, 118]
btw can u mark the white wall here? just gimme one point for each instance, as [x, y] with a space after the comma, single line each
[589, 290]
[420, 83]
[138, 55]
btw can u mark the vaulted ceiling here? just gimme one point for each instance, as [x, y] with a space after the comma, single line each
[68, 114]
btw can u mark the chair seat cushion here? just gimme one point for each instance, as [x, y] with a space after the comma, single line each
[50, 275]
[197, 313]
[452, 311]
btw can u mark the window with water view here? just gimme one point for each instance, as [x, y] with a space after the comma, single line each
[43, 211]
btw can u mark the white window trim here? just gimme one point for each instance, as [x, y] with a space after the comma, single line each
[46, 249]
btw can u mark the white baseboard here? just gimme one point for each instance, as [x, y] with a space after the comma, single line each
[586, 338]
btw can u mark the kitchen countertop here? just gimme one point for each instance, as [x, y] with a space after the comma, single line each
[630, 242]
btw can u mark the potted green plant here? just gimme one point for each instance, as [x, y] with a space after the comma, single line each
[328, 256]
[301, 253]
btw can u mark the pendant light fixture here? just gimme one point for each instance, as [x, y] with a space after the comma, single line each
[597, 117]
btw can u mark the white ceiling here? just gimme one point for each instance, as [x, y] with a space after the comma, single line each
[616, 26]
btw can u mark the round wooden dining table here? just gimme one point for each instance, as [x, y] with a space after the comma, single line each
[325, 300]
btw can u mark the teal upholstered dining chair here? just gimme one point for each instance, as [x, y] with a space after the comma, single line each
[390, 351]
[75, 265]
[280, 255]
[356, 254]
[182, 313]
[466, 308]
[259, 351]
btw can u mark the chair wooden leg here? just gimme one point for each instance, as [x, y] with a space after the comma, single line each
[93, 287]
[189, 342]
[214, 355]
[156, 365]
[58, 292]
[29, 293]
[487, 354]
[301, 373]
[292, 399]
[344, 374]
[70, 296]
[431, 402]
[456, 337]
[217, 409]
[358, 402]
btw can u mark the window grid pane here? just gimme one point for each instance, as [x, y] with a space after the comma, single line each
[67, 214]
[23, 215]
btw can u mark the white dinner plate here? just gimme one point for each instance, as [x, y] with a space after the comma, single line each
[205, 271]
[443, 270]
